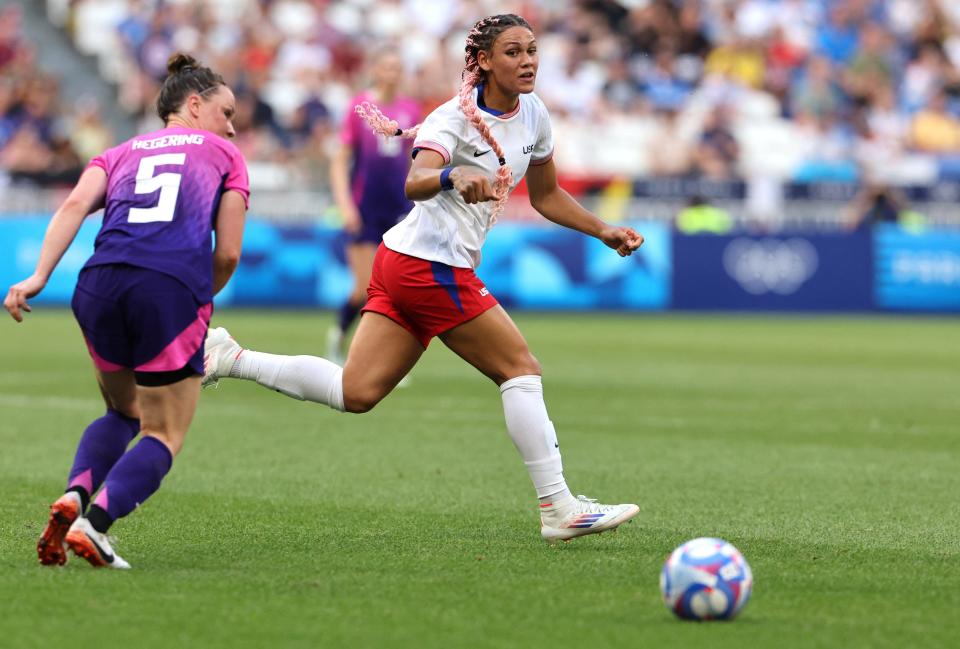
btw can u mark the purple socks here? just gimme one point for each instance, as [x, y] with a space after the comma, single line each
[348, 313]
[135, 477]
[103, 443]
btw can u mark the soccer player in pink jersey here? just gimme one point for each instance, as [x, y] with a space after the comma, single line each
[367, 175]
[144, 299]
[470, 152]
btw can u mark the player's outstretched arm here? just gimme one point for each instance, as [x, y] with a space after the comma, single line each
[86, 197]
[554, 203]
[229, 230]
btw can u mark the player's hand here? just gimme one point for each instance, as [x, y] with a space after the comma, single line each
[351, 220]
[17, 296]
[474, 185]
[623, 240]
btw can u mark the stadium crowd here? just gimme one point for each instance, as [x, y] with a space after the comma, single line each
[41, 141]
[793, 90]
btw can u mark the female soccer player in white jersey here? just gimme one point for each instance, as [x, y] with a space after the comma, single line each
[470, 152]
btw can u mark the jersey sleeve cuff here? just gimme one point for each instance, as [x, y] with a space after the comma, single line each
[436, 147]
[544, 160]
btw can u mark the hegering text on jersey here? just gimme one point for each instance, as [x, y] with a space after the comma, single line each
[168, 140]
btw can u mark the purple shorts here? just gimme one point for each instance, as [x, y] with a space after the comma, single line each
[141, 319]
[373, 229]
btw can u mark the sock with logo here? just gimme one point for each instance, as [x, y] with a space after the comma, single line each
[103, 443]
[134, 478]
[307, 378]
[533, 434]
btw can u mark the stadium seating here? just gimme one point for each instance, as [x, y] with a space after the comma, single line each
[788, 72]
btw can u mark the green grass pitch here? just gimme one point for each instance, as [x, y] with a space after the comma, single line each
[826, 449]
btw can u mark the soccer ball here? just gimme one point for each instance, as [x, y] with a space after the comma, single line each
[706, 579]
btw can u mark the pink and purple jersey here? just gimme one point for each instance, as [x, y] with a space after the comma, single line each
[380, 163]
[163, 192]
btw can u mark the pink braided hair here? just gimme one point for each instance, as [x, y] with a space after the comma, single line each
[471, 78]
[381, 124]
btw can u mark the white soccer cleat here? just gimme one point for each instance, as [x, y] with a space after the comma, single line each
[93, 546]
[335, 340]
[220, 352]
[581, 516]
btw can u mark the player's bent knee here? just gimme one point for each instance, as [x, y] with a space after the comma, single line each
[361, 401]
[359, 406]
[532, 366]
[527, 365]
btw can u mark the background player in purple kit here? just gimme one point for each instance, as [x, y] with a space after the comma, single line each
[367, 175]
[144, 299]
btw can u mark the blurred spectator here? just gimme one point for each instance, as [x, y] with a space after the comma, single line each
[922, 77]
[881, 204]
[872, 65]
[662, 86]
[741, 61]
[816, 93]
[784, 59]
[839, 35]
[827, 144]
[671, 144]
[717, 153]
[934, 129]
[700, 217]
[621, 92]
[34, 147]
[89, 136]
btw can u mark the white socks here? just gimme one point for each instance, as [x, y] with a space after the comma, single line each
[532, 432]
[307, 378]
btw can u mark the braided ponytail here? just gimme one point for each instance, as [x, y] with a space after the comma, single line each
[381, 124]
[482, 37]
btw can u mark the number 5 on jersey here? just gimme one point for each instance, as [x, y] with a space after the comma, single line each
[147, 183]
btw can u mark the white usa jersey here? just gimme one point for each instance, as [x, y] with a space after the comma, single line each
[445, 228]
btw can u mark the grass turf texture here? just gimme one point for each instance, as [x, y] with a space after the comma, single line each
[825, 449]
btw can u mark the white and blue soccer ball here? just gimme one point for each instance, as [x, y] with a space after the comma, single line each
[706, 579]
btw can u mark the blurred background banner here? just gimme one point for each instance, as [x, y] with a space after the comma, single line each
[917, 271]
[554, 268]
[21, 236]
[536, 267]
[802, 272]
[304, 266]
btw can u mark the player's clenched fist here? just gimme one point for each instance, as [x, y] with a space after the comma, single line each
[623, 240]
[473, 185]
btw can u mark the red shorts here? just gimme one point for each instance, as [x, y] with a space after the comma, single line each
[424, 297]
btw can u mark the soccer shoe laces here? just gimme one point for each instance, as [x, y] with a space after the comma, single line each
[591, 506]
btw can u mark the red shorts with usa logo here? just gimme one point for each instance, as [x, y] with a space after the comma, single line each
[424, 297]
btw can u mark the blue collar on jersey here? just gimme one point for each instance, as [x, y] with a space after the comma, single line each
[482, 106]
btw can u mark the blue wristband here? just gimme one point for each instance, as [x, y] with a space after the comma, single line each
[445, 182]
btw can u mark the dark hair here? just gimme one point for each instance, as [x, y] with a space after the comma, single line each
[483, 35]
[185, 76]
